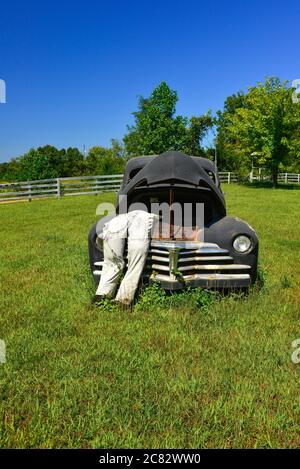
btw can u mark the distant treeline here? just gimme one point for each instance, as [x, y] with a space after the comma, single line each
[257, 128]
[48, 162]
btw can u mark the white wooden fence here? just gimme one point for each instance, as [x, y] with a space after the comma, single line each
[289, 178]
[79, 185]
[226, 177]
[286, 178]
[84, 185]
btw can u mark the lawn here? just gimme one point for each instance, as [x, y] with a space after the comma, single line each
[188, 371]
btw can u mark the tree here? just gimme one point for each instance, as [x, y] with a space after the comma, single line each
[264, 122]
[196, 131]
[158, 129]
[117, 148]
[54, 157]
[10, 171]
[73, 163]
[102, 160]
[230, 157]
[35, 165]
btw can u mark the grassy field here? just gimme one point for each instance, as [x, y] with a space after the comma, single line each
[190, 370]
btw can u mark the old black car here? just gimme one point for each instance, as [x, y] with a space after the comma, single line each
[226, 257]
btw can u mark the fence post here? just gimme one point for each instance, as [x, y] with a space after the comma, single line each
[58, 187]
[29, 195]
[229, 177]
[285, 178]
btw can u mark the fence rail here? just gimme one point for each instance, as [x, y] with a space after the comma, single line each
[84, 185]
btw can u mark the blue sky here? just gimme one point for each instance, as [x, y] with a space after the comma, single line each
[73, 70]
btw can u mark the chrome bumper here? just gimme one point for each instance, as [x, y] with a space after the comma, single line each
[176, 264]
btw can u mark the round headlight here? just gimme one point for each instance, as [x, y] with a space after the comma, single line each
[242, 243]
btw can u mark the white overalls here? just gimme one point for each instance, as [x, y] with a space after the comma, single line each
[136, 226]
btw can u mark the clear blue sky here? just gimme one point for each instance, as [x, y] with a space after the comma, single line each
[73, 70]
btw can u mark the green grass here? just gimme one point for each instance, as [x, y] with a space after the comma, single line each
[190, 370]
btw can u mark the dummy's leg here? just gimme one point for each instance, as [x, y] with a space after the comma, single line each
[113, 249]
[138, 245]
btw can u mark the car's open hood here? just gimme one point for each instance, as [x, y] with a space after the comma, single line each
[175, 168]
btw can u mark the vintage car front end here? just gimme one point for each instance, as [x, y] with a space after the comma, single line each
[226, 255]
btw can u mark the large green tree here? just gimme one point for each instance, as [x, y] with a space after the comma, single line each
[264, 122]
[157, 128]
[229, 155]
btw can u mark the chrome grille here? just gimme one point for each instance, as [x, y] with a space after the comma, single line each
[193, 261]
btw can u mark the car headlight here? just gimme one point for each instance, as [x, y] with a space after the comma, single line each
[242, 243]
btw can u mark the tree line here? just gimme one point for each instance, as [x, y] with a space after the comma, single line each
[47, 162]
[259, 127]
